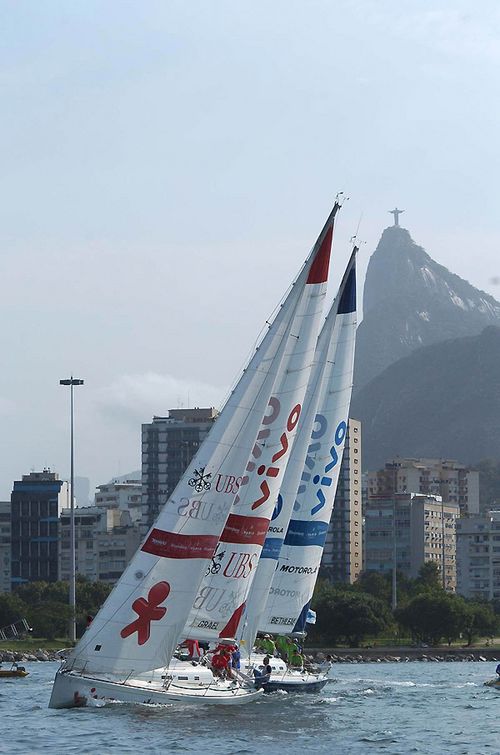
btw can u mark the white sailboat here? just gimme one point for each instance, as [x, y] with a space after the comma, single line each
[287, 572]
[125, 653]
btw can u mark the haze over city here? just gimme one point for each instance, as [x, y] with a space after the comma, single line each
[167, 168]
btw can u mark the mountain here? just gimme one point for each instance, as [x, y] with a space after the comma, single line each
[411, 301]
[441, 401]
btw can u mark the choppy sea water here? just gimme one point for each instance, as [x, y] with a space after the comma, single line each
[366, 708]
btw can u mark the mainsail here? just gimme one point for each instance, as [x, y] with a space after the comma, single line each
[300, 555]
[221, 597]
[138, 626]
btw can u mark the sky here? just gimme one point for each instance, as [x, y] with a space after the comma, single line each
[166, 167]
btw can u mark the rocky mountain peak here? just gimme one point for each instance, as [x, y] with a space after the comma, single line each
[411, 301]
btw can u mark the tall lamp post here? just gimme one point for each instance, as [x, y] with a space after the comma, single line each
[72, 557]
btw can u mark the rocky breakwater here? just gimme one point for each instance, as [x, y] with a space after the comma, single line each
[15, 656]
[407, 655]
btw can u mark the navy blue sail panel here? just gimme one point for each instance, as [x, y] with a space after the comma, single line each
[301, 621]
[347, 301]
[272, 547]
[302, 533]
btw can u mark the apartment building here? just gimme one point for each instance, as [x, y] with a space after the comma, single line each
[454, 482]
[343, 554]
[37, 501]
[408, 529]
[478, 556]
[168, 445]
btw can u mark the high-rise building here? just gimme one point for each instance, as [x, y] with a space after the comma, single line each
[343, 554]
[409, 529]
[454, 482]
[36, 503]
[168, 445]
[106, 538]
[125, 495]
[5, 550]
[478, 556]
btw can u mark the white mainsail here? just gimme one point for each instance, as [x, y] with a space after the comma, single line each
[138, 626]
[222, 594]
[300, 554]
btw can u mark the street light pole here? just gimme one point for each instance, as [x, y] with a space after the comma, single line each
[72, 557]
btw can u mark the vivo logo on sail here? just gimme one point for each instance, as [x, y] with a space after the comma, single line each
[325, 480]
[263, 470]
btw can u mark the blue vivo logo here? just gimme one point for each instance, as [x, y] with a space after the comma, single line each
[340, 434]
[321, 427]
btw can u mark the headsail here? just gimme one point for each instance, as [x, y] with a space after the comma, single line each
[138, 626]
[221, 598]
[300, 555]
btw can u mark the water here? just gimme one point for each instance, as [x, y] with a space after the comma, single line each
[430, 708]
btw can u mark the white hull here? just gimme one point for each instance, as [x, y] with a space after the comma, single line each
[287, 679]
[72, 689]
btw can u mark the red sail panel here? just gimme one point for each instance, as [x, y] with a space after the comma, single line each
[173, 545]
[247, 530]
[319, 268]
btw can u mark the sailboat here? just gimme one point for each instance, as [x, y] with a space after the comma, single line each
[289, 565]
[162, 596]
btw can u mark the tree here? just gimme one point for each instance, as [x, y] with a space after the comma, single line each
[480, 621]
[431, 616]
[428, 579]
[12, 608]
[349, 616]
[375, 584]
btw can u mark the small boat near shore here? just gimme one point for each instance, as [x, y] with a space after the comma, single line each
[14, 672]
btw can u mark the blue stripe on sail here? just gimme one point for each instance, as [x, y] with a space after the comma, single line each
[272, 547]
[306, 533]
[347, 301]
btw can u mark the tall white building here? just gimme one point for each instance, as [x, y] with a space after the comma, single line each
[454, 482]
[124, 495]
[343, 554]
[478, 556]
[408, 529]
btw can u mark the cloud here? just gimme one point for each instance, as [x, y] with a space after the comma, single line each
[134, 399]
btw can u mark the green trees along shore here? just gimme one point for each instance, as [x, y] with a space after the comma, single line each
[346, 614]
[352, 614]
[45, 605]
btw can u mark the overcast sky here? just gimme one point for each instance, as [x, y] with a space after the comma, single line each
[166, 167]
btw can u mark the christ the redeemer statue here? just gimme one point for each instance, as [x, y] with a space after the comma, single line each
[396, 214]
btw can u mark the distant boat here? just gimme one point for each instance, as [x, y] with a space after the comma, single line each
[14, 672]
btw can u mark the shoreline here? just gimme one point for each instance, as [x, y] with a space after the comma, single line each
[407, 654]
[339, 655]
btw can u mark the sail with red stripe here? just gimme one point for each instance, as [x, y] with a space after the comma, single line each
[221, 597]
[139, 625]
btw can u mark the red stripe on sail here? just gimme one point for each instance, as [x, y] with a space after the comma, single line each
[173, 545]
[319, 268]
[247, 530]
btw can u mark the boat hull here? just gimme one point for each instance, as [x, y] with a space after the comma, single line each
[73, 690]
[295, 685]
[13, 674]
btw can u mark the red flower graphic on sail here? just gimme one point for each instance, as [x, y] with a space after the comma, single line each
[147, 611]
